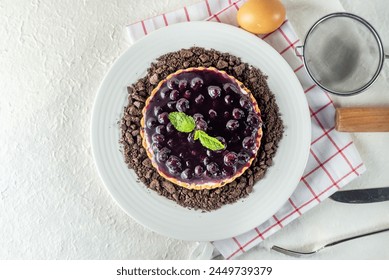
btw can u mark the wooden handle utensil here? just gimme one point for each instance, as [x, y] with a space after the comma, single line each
[363, 119]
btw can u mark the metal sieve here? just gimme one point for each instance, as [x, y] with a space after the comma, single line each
[342, 53]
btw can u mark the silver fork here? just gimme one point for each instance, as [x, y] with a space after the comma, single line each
[301, 254]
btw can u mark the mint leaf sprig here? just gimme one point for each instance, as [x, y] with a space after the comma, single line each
[184, 123]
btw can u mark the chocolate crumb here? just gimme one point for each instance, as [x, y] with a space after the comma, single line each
[135, 154]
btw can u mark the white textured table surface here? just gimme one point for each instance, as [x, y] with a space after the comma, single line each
[53, 205]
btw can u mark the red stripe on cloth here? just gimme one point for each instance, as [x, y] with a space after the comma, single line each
[290, 46]
[286, 37]
[322, 108]
[144, 27]
[259, 233]
[208, 8]
[294, 206]
[310, 189]
[324, 134]
[327, 160]
[186, 14]
[217, 18]
[324, 168]
[279, 28]
[236, 6]
[165, 19]
[308, 89]
[278, 221]
[298, 68]
[240, 246]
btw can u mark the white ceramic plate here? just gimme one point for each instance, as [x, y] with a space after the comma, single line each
[160, 214]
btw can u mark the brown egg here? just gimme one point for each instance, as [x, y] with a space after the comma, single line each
[261, 16]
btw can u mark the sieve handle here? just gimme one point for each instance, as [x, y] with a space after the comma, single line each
[362, 119]
[299, 50]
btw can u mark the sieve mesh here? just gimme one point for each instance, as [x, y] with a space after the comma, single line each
[343, 54]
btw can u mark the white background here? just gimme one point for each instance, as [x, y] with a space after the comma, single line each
[53, 205]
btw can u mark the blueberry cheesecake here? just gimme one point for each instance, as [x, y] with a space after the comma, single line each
[201, 128]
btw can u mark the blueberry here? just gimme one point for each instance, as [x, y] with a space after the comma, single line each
[182, 105]
[212, 113]
[188, 163]
[196, 83]
[171, 105]
[174, 95]
[198, 116]
[163, 154]
[182, 84]
[232, 125]
[187, 174]
[163, 118]
[230, 88]
[245, 103]
[174, 165]
[161, 129]
[243, 158]
[199, 99]
[237, 113]
[191, 138]
[156, 147]
[228, 99]
[235, 138]
[201, 125]
[226, 114]
[170, 143]
[187, 94]
[157, 110]
[206, 160]
[209, 153]
[199, 170]
[248, 143]
[169, 128]
[228, 170]
[213, 168]
[165, 92]
[158, 138]
[214, 91]
[151, 123]
[172, 83]
[253, 120]
[230, 159]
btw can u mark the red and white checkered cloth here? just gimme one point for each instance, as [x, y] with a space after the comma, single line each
[333, 160]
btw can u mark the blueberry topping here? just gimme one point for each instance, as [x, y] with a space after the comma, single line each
[163, 118]
[212, 113]
[187, 94]
[158, 138]
[172, 83]
[182, 84]
[151, 123]
[196, 83]
[163, 154]
[232, 125]
[199, 99]
[237, 113]
[214, 91]
[248, 143]
[187, 174]
[174, 165]
[213, 168]
[174, 94]
[231, 159]
[182, 105]
[199, 170]
[160, 129]
[218, 108]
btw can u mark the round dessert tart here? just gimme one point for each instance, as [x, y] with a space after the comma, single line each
[201, 128]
